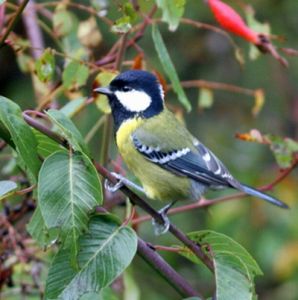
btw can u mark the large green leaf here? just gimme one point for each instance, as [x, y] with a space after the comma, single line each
[235, 269]
[68, 190]
[168, 67]
[73, 107]
[172, 11]
[104, 253]
[68, 130]
[7, 187]
[45, 145]
[21, 135]
[39, 231]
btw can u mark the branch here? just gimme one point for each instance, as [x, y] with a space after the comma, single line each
[217, 86]
[13, 22]
[121, 52]
[165, 270]
[111, 56]
[33, 30]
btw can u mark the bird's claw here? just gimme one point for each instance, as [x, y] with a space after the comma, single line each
[159, 228]
[114, 187]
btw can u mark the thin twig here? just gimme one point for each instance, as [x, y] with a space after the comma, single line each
[79, 6]
[217, 86]
[111, 56]
[13, 22]
[121, 52]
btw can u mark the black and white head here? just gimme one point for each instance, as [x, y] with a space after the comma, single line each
[134, 93]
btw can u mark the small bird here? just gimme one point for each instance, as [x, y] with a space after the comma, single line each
[170, 163]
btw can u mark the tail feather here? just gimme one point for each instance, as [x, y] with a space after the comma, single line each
[253, 192]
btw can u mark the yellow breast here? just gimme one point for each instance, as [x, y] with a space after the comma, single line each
[158, 183]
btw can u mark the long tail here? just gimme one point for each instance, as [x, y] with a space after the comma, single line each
[253, 192]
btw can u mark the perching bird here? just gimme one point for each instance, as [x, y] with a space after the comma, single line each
[170, 163]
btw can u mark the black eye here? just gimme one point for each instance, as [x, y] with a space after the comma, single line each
[126, 89]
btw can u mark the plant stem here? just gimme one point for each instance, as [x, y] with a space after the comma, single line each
[33, 30]
[135, 199]
[107, 132]
[166, 271]
[13, 22]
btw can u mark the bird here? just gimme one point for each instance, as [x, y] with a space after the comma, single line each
[170, 163]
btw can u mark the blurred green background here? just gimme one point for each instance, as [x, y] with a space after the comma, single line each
[268, 233]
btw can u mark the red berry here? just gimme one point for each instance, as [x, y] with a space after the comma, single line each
[231, 21]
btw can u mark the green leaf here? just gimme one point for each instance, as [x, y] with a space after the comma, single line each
[105, 252]
[45, 66]
[75, 75]
[131, 288]
[39, 231]
[235, 269]
[122, 25]
[21, 135]
[63, 21]
[283, 149]
[205, 98]
[72, 107]
[68, 190]
[169, 67]
[45, 145]
[7, 187]
[105, 294]
[68, 130]
[256, 26]
[192, 298]
[172, 11]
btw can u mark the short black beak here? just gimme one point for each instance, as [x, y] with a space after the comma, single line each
[105, 90]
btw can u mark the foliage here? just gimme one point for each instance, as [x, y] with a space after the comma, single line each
[62, 235]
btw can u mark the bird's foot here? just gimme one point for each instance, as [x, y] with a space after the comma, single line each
[121, 182]
[163, 228]
[114, 187]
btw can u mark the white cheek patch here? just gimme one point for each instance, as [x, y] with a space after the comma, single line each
[134, 100]
[161, 91]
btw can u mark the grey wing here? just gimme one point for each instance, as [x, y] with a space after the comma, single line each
[201, 165]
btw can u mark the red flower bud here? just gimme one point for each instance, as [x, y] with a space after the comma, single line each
[231, 21]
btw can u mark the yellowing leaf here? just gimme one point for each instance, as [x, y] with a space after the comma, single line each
[103, 79]
[253, 136]
[89, 34]
[205, 98]
[287, 262]
[63, 21]
[259, 102]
